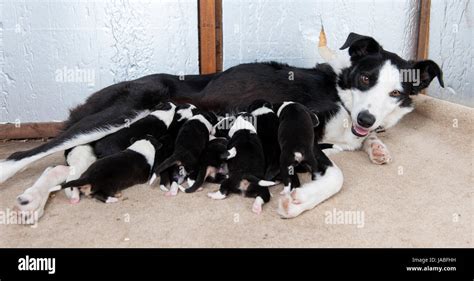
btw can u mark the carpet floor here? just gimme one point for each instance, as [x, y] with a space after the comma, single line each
[424, 198]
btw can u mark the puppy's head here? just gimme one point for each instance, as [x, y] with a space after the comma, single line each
[185, 111]
[164, 111]
[259, 107]
[381, 82]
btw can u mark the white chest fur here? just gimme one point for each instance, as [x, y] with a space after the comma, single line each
[338, 131]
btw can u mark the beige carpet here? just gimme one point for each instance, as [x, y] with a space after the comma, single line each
[422, 199]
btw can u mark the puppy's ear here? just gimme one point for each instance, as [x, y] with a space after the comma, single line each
[360, 45]
[427, 70]
[157, 144]
[224, 155]
[276, 106]
[314, 118]
[132, 140]
[163, 106]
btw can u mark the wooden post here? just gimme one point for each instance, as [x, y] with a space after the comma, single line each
[30, 130]
[210, 36]
[423, 30]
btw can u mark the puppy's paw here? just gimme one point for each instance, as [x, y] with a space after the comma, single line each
[257, 206]
[111, 199]
[164, 188]
[216, 195]
[379, 154]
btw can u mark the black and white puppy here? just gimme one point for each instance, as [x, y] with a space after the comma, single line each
[267, 123]
[106, 177]
[211, 161]
[183, 113]
[156, 124]
[246, 165]
[189, 144]
[296, 139]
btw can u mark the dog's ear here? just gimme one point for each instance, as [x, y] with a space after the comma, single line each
[427, 70]
[360, 45]
[132, 140]
[276, 106]
[314, 118]
[163, 106]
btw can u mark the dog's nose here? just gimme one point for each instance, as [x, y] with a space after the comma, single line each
[365, 119]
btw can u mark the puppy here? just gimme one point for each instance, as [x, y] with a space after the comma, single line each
[106, 177]
[246, 164]
[189, 144]
[211, 160]
[183, 112]
[156, 124]
[296, 139]
[267, 130]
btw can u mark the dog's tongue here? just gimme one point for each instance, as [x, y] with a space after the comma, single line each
[361, 131]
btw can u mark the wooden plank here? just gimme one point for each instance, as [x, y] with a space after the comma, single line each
[219, 42]
[210, 36]
[207, 36]
[424, 33]
[423, 30]
[30, 130]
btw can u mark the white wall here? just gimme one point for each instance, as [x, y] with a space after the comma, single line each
[288, 30]
[451, 47]
[43, 42]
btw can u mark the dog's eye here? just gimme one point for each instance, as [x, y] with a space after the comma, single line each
[364, 79]
[395, 93]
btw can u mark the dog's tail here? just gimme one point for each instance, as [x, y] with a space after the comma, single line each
[73, 183]
[256, 180]
[168, 162]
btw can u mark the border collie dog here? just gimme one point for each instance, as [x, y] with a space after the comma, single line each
[352, 97]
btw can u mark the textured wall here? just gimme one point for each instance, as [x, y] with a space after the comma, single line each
[451, 46]
[287, 31]
[54, 54]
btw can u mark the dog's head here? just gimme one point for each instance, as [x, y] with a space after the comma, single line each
[381, 82]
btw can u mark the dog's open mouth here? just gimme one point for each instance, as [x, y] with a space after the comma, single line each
[359, 131]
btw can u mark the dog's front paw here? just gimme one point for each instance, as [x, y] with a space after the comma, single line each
[379, 154]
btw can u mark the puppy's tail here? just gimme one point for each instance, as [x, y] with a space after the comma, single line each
[260, 182]
[168, 162]
[73, 183]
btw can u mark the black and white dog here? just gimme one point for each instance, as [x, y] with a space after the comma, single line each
[189, 144]
[267, 124]
[296, 139]
[106, 177]
[210, 162]
[246, 163]
[156, 124]
[352, 96]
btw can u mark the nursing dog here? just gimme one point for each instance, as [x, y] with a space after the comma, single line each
[246, 165]
[353, 94]
[189, 144]
[106, 177]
